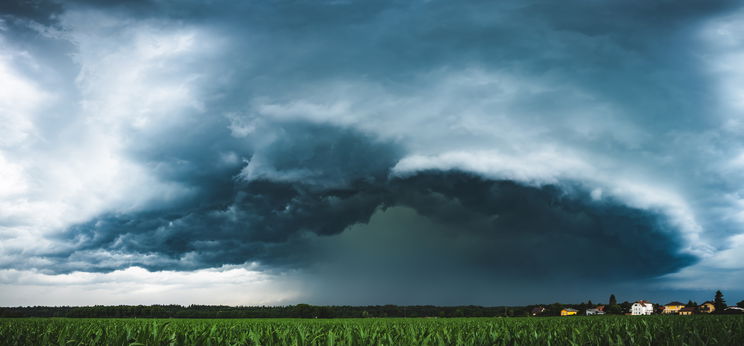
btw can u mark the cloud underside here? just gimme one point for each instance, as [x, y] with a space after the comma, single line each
[357, 218]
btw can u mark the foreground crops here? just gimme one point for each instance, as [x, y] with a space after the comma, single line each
[657, 330]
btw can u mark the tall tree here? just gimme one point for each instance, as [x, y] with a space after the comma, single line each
[613, 301]
[719, 302]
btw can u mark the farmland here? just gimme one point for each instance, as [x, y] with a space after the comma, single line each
[657, 330]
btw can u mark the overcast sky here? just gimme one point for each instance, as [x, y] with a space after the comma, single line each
[370, 152]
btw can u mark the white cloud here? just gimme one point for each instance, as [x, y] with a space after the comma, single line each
[722, 270]
[724, 52]
[461, 109]
[137, 76]
[13, 179]
[20, 98]
[536, 168]
[64, 153]
[233, 285]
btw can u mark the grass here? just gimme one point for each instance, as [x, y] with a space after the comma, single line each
[599, 330]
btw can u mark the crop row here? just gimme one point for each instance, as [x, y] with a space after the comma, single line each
[619, 330]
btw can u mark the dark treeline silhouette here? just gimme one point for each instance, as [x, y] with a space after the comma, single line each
[291, 311]
[314, 311]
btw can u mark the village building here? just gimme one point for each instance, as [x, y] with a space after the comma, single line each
[690, 310]
[707, 307]
[641, 307]
[594, 311]
[569, 312]
[673, 307]
[733, 310]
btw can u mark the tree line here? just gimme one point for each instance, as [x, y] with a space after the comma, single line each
[290, 311]
[315, 311]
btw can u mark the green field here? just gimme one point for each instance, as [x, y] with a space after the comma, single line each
[600, 330]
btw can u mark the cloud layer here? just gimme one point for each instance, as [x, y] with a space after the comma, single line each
[505, 143]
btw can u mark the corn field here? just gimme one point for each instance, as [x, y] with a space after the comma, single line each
[601, 330]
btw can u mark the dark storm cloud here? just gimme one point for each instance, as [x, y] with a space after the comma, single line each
[474, 231]
[549, 230]
[42, 11]
[271, 170]
[612, 47]
[233, 220]
[480, 228]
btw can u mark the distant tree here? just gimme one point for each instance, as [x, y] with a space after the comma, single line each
[613, 301]
[626, 306]
[324, 312]
[554, 309]
[591, 305]
[719, 302]
[614, 309]
[740, 304]
[304, 311]
[691, 303]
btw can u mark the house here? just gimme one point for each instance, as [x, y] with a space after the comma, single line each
[707, 307]
[733, 310]
[595, 311]
[539, 310]
[690, 310]
[641, 307]
[673, 307]
[569, 312]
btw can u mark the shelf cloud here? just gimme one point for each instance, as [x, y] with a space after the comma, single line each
[352, 152]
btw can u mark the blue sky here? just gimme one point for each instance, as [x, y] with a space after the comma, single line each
[343, 152]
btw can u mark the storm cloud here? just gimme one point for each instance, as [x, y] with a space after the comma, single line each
[396, 146]
[463, 226]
